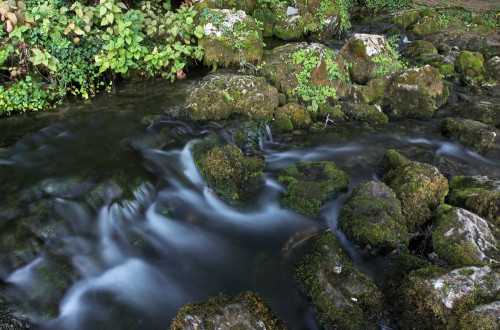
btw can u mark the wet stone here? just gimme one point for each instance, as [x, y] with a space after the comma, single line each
[476, 135]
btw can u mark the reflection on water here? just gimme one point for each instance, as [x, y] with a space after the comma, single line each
[134, 260]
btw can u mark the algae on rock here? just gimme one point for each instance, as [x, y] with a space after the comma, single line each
[344, 298]
[478, 194]
[470, 133]
[220, 95]
[310, 184]
[231, 174]
[246, 310]
[462, 238]
[372, 217]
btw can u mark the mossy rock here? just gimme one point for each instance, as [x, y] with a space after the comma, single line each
[303, 71]
[418, 48]
[417, 92]
[462, 238]
[232, 175]
[469, 61]
[492, 72]
[392, 160]
[246, 5]
[484, 317]
[364, 112]
[406, 18]
[369, 56]
[473, 134]
[221, 95]
[372, 217]
[291, 116]
[486, 111]
[425, 26]
[246, 310]
[230, 38]
[478, 194]
[310, 184]
[289, 28]
[433, 300]
[421, 188]
[344, 298]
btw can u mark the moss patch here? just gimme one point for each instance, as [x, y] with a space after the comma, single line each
[310, 184]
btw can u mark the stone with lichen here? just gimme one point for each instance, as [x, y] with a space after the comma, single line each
[221, 95]
[343, 297]
[462, 238]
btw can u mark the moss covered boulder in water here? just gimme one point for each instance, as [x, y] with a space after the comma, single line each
[462, 238]
[416, 92]
[291, 116]
[307, 72]
[220, 95]
[310, 184]
[371, 113]
[479, 194]
[420, 187]
[230, 37]
[372, 217]
[432, 299]
[231, 174]
[344, 298]
[470, 133]
[369, 56]
[246, 310]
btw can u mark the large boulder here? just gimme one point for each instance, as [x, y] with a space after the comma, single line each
[246, 310]
[344, 298]
[433, 300]
[485, 110]
[420, 187]
[291, 116]
[372, 217]
[310, 184]
[220, 95]
[469, 61]
[311, 73]
[231, 174]
[462, 238]
[479, 194]
[369, 56]
[416, 92]
[371, 113]
[230, 37]
[471, 133]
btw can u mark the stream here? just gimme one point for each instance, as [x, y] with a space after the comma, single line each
[133, 259]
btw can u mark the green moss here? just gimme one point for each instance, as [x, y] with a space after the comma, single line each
[406, 19]
[365, 112]
[391, 160]
[420, 47]
[290, 116]
[231, 174]
[311, 184]
[476, 196]
[426, 26]
[420, 188]
[469, 61]
[253, 308]
[476, 135]
[372, 216]
[453, 249]
[329, 279]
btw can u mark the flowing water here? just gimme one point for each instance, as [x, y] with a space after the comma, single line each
[133, 259]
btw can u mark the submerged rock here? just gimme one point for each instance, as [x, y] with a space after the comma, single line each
[344, 298]
[372, 217]
[479, 194]
[220, 95]
[310, 184]
[369, 56]
[443, 301]
[462, 238]
[230, 37]
[470, 133]
[232, 175]
[416, 92]
[246, 310]
[420, 187]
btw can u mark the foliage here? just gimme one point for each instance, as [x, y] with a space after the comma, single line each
[79, 48]
[390, 6]
[23, 96]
